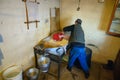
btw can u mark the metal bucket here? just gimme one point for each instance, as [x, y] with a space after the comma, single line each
[43, 63]
[32, 74]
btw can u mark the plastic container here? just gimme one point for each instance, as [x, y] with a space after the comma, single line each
[13, 73]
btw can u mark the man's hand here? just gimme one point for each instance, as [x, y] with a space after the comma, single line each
[65, 36]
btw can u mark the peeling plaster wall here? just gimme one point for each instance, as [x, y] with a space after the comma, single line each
[18, 42]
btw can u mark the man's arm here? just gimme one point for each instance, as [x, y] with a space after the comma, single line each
[68, 28]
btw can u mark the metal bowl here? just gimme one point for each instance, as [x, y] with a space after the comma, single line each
[32, 73]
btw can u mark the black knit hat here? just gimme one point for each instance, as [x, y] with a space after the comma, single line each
[79, 21]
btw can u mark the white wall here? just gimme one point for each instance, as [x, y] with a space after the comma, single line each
[95, 22]
[18, 41]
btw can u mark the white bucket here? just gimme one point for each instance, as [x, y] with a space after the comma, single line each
[13, 73]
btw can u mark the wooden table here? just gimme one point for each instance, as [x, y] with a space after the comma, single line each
[49, 43]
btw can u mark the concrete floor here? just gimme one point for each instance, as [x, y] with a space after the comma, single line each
[97, 72]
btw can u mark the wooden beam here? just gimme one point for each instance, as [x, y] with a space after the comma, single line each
[27, 15]
[33, 22]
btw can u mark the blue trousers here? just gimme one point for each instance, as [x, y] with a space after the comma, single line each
[80, 54]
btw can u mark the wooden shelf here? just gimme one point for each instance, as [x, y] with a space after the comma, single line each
[116, 20]
[118, 6]
[114, 23]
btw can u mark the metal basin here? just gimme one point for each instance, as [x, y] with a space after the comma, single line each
[32, 73]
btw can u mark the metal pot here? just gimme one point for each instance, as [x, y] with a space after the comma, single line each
[43, 63]
[32, 73]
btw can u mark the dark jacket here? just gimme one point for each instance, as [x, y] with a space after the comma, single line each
[77, 35]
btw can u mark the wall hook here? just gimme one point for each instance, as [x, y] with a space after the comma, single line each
[78, 8]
